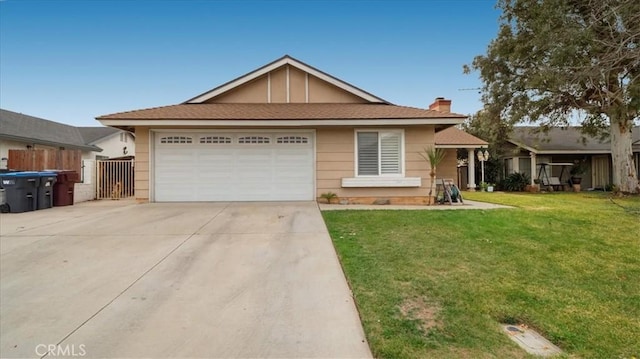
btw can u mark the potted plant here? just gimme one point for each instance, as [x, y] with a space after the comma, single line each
[484, 186]
[577, 170]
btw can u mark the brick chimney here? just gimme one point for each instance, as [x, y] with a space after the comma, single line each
[440, 104]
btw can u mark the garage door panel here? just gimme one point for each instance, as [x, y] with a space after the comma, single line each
[219, 167]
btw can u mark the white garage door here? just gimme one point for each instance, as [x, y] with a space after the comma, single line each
[233, 166]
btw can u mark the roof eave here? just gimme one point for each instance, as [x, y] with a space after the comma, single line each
[449, 145]
[51, 143]
[283, 123]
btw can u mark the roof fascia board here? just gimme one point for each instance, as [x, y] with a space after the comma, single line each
[285, 123]
[522, 145]
[460, 146]
[50, 143]
[558, 152]
[581, 152]
[278, 63]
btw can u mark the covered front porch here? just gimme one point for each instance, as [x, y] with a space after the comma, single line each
[546, 168]
[451, 139]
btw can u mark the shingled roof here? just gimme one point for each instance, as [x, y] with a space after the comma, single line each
[20, 127]
[279, 111]
[453, 136]
[93, 134]
[564, 139]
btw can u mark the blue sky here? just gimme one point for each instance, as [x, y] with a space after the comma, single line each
[70, 61]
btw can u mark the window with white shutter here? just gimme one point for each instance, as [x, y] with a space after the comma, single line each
[379, 153]
[390, 153]
[368, 154]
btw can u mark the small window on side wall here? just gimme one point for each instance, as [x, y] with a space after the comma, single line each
[379, 153]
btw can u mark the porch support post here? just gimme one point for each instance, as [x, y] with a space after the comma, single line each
[471, 169]
[533, 166]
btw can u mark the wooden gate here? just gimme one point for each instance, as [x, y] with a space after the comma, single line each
[114, 179]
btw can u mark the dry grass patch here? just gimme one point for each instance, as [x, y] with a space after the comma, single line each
[426, 314]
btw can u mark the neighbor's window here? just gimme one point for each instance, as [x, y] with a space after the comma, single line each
[379, 153]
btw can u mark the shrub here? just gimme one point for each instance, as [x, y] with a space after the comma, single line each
[516, 182]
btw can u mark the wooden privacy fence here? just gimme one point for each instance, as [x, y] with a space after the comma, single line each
[40, 160]
[114, 179]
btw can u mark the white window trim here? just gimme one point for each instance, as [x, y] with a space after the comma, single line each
[373, 181]
[378, 130]
[381, 180]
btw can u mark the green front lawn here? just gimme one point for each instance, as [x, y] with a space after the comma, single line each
[435, 284]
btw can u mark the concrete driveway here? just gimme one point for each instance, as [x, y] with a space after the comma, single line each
[119, 279]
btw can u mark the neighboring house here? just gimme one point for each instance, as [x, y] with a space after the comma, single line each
[21, 132]
[528, 149]
[451, 139]
[113, 142]
[286, 131]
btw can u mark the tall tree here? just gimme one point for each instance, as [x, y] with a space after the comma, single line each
[554, 61]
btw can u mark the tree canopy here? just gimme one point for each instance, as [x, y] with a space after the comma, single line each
[554, 62]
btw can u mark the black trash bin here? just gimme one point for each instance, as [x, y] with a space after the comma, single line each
[4, 208]
[63, 188]
[45, 189]
[21, 191]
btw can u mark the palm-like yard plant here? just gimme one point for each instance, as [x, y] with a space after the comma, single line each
[434, 156]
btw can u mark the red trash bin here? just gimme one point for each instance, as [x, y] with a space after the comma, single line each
[63, 188]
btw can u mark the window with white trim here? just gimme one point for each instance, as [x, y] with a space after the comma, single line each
[292, 139]
[379, 153]
[176, 139]
[253, 139]
[215, 139]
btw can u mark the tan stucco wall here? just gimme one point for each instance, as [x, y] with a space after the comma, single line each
[323, 92]
[252, 92]
[273, 87]
[279, 85]
[335, 160]
[448, 168]
[142, 164]
[297, 84]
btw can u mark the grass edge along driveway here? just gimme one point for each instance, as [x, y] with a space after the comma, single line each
[437, 283]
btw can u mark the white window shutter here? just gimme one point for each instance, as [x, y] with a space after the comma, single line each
[390, 148]
[368, 154]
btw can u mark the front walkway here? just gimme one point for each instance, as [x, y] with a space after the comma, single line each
[467, 205]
